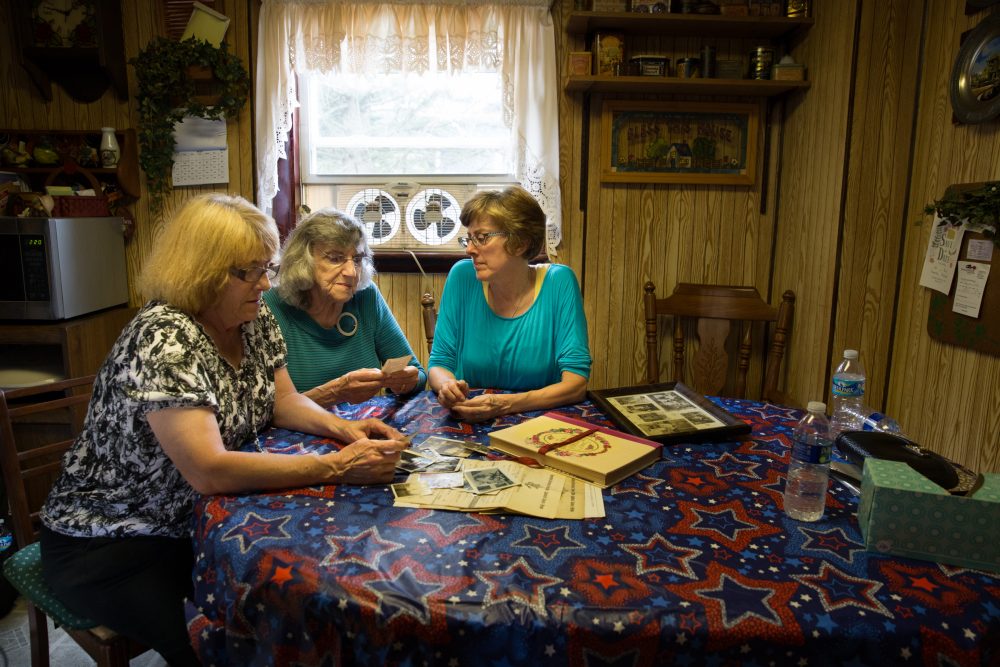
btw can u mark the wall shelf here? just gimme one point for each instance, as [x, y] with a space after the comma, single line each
[765, 27]
[125, 174]
[673, 86]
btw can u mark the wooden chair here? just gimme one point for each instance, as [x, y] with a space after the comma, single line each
[430, 318]
[716, 308]
[37, 425]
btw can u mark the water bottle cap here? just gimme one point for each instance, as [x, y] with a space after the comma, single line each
[850, 354]
[816, 406]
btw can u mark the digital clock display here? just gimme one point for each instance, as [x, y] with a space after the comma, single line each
[34, 242]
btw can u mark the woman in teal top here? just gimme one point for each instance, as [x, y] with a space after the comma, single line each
[338, 328]
[504, 323]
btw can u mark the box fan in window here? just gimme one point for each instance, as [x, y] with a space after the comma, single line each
[408, 216]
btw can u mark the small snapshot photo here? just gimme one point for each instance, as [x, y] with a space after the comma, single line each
[487, 480]
[444, 464]
[439, 480]
[477, 447]
[671, 400]
[445, 446]
[642, 407]
[699, 418]
[410, 461]
[408, 488]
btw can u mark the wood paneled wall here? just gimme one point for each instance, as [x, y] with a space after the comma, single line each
[142, 21]
[851, 163]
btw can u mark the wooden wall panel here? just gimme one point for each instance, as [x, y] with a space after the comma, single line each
[812, 163]
[879, 163]
[946, 397]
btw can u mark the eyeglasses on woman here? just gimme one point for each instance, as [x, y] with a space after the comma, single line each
[336, 259]
[252, 274]
[478, 240]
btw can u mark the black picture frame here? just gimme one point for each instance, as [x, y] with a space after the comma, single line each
[636, 422]
[972, 99]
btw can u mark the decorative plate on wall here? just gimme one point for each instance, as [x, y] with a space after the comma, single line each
[975, 78]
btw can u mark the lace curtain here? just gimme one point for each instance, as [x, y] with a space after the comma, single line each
[515, 38]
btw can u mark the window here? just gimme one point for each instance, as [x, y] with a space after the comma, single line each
[404, 155]
[407, 109]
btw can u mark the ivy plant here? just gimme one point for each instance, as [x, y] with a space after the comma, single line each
[979, 206]
[167, 94]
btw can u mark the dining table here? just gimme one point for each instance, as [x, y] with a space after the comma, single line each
[694, 563]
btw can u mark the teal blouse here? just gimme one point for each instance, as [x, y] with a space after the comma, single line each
[529, 351]
[317, 355]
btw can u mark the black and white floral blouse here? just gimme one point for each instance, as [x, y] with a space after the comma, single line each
[117, 480]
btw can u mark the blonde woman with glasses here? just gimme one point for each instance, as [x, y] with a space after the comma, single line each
[198, 372]
[505, 323]
[337, 326]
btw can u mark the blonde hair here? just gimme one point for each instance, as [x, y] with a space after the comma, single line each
[515, 212]
[208, 236]
[325, 227]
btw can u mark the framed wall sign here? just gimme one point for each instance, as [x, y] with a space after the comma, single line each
[679, 142]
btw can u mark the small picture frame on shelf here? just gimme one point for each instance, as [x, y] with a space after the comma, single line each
[651, 6]
[679, 142]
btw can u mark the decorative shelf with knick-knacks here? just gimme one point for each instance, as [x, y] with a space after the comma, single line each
[753, 30]
[64, 152]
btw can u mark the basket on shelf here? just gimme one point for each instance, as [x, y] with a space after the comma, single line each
[75, 206]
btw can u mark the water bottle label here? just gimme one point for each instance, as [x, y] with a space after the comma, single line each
[848, 388]
[872, 421]
[808, 452]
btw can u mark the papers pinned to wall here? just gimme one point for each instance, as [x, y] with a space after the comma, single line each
[201, 155]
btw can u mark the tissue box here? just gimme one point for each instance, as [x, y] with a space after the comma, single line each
[904, 513]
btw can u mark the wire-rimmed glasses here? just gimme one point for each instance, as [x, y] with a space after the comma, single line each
[478, 240]
[337, 259]
[252, 274]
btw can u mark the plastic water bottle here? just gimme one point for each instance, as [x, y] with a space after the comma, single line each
[809, 468]
[867, 419]
[6, 538]
[848, 393]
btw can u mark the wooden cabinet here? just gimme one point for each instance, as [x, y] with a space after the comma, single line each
[682, 35]
[75, 347]
[73, 148]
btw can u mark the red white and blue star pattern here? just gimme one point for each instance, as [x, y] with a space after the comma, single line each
[695, 564]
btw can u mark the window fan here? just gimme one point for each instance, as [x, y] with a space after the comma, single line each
[432, 216]
[379, 213]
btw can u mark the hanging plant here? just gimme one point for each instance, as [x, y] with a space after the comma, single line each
[980, 207]
[168, 92]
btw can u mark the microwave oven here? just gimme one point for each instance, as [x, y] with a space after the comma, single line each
[58, 268]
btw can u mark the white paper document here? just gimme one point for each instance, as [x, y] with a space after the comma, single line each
[942, 256]
[972, 278]
[980, 250]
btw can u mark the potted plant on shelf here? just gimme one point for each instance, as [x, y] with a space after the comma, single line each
[172, 85]
[978, 207]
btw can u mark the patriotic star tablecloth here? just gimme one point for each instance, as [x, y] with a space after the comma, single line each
[694, 564]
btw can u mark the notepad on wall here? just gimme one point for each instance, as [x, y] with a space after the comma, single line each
[206, 24]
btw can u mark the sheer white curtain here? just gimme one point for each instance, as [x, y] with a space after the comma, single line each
[514, 37]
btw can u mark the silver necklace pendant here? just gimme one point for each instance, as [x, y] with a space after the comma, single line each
[340, 328]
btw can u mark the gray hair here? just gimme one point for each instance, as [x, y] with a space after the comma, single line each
[325, 227]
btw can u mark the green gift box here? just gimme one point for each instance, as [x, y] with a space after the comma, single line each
[904, 513]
